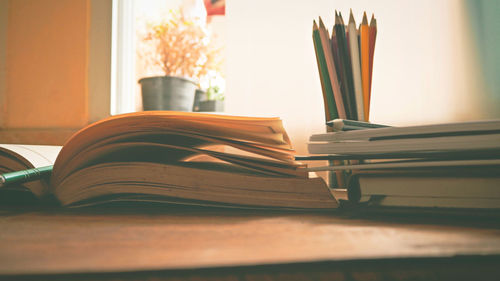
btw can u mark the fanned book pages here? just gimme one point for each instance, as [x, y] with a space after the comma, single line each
[185, 158]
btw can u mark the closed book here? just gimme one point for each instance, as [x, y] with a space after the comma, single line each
[430, 190]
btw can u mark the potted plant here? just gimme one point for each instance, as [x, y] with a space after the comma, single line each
[211, 100]
[179, 50]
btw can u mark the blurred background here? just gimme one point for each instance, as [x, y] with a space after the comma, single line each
[66, 63]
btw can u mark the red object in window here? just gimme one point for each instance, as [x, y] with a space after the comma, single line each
[215, 7]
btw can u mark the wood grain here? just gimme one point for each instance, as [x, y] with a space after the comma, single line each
[54, 241]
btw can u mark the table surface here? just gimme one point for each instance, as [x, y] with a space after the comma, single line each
[123, 239]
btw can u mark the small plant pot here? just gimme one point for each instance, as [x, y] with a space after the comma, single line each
[167, 93]
[211, 106]
[199, 96]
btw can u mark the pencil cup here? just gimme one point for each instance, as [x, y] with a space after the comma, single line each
[335, 179]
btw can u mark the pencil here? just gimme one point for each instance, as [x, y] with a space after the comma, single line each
[365, 69]
[345, 68]
[347, 58]
[356, 67]
[327, 48]
[336, 62]
[350, 125]
[329, 103]
[325, 102]
[373, 37]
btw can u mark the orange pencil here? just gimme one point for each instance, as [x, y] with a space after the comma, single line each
[373, 37]
[365, 64]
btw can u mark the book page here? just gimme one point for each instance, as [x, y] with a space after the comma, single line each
[36, 155]
[477, 143]
[260, 135]
[213, 182]
[446, 129]
[15, 157]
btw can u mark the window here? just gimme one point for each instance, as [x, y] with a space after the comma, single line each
[130, 21]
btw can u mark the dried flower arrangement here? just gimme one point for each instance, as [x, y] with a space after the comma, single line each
[177, 46]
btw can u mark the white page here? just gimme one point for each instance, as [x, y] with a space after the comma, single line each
[37, 155]
[409, 164]
[30, 156]
[411, 145]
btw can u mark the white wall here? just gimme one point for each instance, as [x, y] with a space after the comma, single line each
[423, 65]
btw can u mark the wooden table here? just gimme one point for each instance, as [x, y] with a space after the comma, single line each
[185, 243]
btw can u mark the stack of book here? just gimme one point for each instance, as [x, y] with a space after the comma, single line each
[455, 165]
[345, 63]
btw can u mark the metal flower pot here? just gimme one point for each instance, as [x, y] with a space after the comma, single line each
[211, 106]
[167, 93]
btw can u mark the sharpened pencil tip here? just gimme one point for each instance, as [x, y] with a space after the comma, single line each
[365, 20]
[373, 21]
[321, 24]
[315, 27]
[351, 19]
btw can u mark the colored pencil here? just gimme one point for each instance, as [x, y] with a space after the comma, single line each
[347, 58]
[346, 71]
[365, 62]
[327, 48]
[373, 37]
[329, 103]
[356, 67]
[336, 60]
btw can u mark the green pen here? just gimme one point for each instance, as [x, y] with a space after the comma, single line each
[23, 176]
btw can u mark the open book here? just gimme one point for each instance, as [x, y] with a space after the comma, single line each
[16, 157]
[179, 157]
